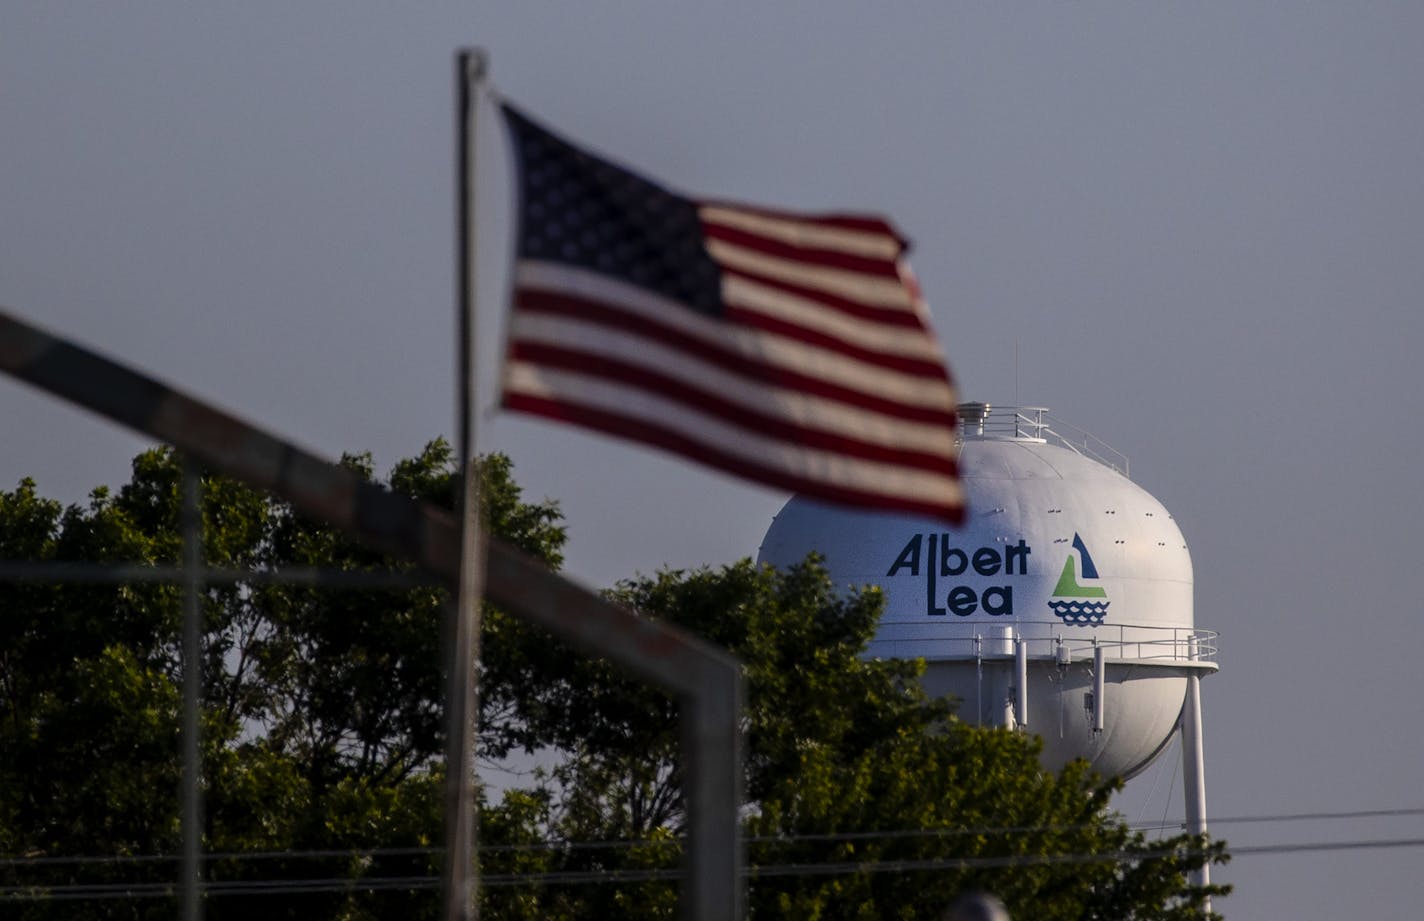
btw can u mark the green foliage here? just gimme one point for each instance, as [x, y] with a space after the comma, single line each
[323, 737]
[322, 708]
[848, 766]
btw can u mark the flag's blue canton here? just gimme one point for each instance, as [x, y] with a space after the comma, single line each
[583, 211]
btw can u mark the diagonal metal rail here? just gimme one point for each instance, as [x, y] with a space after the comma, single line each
[705, 679]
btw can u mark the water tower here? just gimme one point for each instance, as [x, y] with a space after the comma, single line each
[1063, 605]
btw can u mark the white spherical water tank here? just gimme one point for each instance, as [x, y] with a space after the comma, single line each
[1063, 604]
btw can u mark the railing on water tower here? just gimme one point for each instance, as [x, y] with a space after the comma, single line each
[1042, 640]
[985, 420]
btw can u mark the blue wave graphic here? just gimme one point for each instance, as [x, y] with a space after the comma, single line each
[1082, 613]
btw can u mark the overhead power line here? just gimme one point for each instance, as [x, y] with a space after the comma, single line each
[554, 845]
[106, 891]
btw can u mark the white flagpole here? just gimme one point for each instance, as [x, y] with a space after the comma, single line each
[461, 881]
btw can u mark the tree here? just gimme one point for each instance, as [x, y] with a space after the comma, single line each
[322, 708]
[866, 799]
[323, 737]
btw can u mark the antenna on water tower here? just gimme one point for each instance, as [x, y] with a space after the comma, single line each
[1016, 370]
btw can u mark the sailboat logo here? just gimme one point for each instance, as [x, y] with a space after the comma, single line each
[1082, 605]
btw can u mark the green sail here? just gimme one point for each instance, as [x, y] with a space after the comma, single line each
[1068, 583]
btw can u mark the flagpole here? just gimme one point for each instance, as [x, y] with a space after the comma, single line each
[191, 525]
[461, 882]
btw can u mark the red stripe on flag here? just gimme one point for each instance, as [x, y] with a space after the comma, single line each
[858, 223]
[901, 317]
[825, 258]
[948, 508]
[920, 367]
[596, 312]
[780, 427]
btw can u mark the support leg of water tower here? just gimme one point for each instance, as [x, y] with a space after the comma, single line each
[1007, 695]
[1194, 771]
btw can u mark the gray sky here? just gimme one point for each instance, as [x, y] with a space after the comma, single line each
[1202, 225]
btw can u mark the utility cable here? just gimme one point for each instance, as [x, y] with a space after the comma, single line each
[105, 891]
[552, 845]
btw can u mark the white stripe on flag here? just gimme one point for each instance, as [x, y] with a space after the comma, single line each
[755, 346]
[872, 290]
[794, 406]
[775, 302]
[795, 459]
[804, 233]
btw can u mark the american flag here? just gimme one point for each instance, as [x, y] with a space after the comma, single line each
[792, 350]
